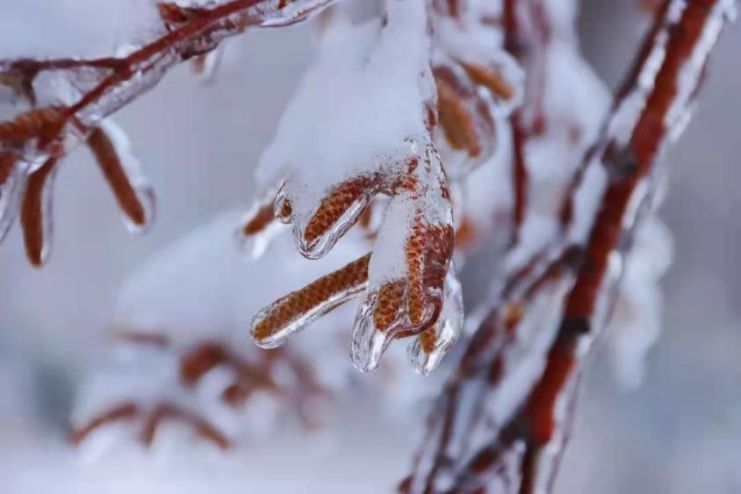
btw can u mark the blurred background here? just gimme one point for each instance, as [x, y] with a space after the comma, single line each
[680, 432]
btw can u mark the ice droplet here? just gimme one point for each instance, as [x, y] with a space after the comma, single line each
[449, 326]
[283, 208]
[145, 194]
[368, 342]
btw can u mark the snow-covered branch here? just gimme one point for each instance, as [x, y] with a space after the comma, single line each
[526, 442]
[422, 133]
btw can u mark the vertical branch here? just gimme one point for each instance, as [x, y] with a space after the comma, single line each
[688, 32]
[688, 41]
[658, 93]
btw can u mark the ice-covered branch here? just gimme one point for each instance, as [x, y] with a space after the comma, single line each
[60, 102]
[181, 367]
[389, 119]
[526, 443]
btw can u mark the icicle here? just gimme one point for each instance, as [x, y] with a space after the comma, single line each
[428, 349]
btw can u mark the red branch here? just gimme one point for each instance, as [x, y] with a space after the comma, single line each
[684, 42]
[648, 138]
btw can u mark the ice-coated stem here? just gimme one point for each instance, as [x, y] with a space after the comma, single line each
[664, 82]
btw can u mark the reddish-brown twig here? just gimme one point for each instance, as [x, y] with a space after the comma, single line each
[679, 46]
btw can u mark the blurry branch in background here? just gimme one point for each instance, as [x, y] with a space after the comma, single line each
[67, 100]
[524, 446]
[297, 389]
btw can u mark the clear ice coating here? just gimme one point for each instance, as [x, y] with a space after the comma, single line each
[373, 137]
[276, 13]
[10, 189]
[405, 276]
[368, 343]
[318, 245]
[300, 319]
[478, 84]
[410, 260]
[428, 349]
[123, 171]
[431, 341]
[347, 129]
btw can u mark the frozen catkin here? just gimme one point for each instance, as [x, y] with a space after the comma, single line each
[426, 138]
[379, 137]
[505, 416]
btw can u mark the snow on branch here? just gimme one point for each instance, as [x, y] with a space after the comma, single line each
[525, 442]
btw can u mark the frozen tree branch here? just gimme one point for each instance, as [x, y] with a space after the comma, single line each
[523, 452]
[421, 132]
